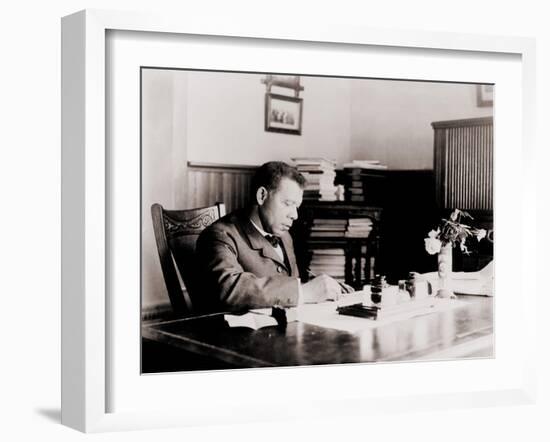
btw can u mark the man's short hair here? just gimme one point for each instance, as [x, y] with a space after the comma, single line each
[269, 175]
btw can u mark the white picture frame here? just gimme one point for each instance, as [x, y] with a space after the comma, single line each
[86, 206]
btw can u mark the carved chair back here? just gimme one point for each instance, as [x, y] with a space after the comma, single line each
[176, 233]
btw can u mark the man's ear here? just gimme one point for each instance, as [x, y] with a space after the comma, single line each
[261, 195]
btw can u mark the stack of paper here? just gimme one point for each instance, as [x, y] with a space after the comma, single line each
[468, 283]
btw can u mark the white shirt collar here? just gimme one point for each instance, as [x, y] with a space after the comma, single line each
[277, 248]
[259, 229]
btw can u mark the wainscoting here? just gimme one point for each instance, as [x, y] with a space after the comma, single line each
[210, 183]
[463, 163]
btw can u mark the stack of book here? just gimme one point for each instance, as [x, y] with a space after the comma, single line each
[328, 228]
[331, 262]
[364, 181]
[319, 174]
[365, 164]
[358, 228]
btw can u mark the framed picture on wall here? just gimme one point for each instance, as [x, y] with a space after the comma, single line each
[283, 114]
[485, 95]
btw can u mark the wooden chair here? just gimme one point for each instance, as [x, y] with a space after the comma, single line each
[176, 232]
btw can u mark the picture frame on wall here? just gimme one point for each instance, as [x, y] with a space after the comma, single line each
[283, 114]
[102, 388]
[485, 94]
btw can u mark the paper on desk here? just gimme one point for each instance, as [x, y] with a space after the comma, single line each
[468, 283]
[325, 315]
[250, 320]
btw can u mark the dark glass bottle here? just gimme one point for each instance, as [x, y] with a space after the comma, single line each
[377, 287]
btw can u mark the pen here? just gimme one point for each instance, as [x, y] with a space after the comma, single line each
[344, 287]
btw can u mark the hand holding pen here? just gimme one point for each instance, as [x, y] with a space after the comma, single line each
[323, 287]
[345, 288]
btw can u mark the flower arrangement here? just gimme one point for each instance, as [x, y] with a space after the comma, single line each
[452, 231]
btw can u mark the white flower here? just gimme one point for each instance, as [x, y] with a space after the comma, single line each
[432, 244]
[480, 234]
[454, 215]
[433, 233]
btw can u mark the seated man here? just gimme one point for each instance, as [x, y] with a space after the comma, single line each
[247, 257]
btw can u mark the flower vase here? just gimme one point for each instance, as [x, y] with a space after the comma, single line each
[445, 271]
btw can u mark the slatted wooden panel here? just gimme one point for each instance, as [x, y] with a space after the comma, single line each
[463, 163]
[211, 183]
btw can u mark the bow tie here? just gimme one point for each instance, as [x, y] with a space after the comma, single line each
[273, 240]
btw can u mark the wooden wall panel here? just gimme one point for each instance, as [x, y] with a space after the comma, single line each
[211, 183]
[463, 163]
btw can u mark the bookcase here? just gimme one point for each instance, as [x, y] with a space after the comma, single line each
[359, 253]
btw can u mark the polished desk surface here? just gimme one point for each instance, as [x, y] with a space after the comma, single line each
[465, 331]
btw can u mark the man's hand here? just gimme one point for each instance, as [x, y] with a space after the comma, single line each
[346, 288]
[322, 288]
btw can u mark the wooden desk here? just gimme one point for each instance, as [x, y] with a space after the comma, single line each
[463, 332]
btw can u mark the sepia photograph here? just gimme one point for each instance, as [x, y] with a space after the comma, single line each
[485, 94]
[299, 220]
[283, 114]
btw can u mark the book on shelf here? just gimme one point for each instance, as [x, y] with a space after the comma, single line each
[317, 170]
[359, 229]
[325, 181]
[338, 272]
[313, 161]
[333, 227]
[327, 266]
[365, 228]
[330, 221]
[322, 188]
[327, 259]
[335, 251]
[360, 221]
[323, 234]
[356, 174]
[321, 254]
[365, 161]
[312, 171]
[338, 276]
[323, 262]
[364, 164]
[365, 234]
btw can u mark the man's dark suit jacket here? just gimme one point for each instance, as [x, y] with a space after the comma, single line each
[240, 269]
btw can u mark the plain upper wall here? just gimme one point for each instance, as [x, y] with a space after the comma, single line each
[226, 120]
[343, 119]
[391, 120]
